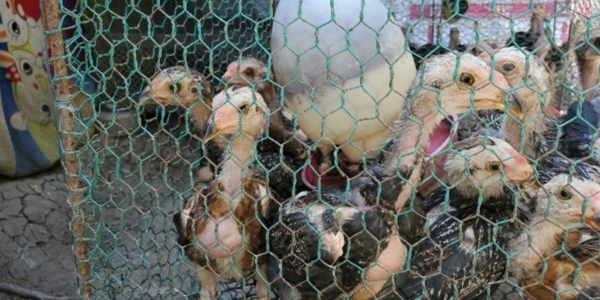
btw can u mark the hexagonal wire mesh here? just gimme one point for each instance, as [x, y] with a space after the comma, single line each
[132, 186]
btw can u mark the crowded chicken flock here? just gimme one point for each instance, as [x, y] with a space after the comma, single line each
[341, 170]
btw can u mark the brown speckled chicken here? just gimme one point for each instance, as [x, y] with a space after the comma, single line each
[359, 247]
[283, 169]
[180, 86]
[220, 226]
[573, 274]
[252, 72]
[558, 206]
[188, 89]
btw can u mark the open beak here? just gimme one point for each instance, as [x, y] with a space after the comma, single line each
[492, 97]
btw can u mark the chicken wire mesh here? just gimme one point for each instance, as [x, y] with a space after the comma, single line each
[138, 169]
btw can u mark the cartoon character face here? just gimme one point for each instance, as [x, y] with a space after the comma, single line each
[19, 21]
[33, 91]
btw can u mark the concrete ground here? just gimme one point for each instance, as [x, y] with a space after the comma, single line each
[133, 185]
[34, 235]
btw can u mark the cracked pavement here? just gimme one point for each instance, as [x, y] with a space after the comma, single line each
[35, 239]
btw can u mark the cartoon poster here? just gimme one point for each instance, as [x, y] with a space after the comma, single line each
[28, 136]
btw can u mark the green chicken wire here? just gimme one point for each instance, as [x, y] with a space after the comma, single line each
[126, 188]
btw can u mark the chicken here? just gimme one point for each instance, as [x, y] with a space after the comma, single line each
[345, 81]
[535, 37]
[221, 226]
[453, 9]
[282, 169]
[183, 87]
[186, 88]
[535, 133]
[359, 245]
[574, 274]
[428, 50]
[488, 46]
[560, 204]
[253, 72]
[516, 66]
[455, 41]
[581, 121]
[469, 224]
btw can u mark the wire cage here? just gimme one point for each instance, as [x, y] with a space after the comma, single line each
[130, 177]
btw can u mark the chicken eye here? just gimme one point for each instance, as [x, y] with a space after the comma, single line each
[493, 167]
[467, 79]
[564, 194]
[175, 87]
[243, 107]
[597, 43]
[249, 72]
[507, 68]
[194, 90]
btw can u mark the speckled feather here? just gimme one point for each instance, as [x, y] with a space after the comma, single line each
[561, 275]
[371, 200]
[295, 258]
[463, 252]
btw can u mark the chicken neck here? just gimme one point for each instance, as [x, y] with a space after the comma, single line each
[530, 253]
[199, 114]
[589, 74]
[408, 139]
[534, 121]
[236, 158]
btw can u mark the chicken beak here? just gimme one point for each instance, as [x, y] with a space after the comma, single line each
[223, 126]
[592, 218]
[227, 81]
[221, 86]
[144, 99]
[492, 95]
[209, 129]
[211, 136]
[532, 183]
[519, 173]
[225, 133]
[514, 107]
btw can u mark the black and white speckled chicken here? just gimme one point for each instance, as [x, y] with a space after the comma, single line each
[469, 223]
[560, 205]
[359, 247]
[221, 225]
